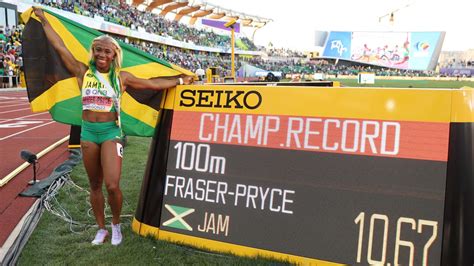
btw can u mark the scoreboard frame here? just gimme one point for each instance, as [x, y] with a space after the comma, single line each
[444, 175]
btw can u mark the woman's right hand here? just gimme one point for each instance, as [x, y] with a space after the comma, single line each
[39, 13]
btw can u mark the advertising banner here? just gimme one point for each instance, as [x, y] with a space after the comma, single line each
[338, 45]
[403, 50]
[423, 46]
[219, 24]
[381, 48]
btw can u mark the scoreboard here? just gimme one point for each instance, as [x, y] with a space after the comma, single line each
[310, 175]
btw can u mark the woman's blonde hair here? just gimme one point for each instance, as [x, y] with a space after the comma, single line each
[114, 70]
[118, 51]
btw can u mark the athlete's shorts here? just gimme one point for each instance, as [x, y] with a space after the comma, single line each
[99, 132]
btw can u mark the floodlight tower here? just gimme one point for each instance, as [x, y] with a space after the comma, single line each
[391, 14]
[230, 25]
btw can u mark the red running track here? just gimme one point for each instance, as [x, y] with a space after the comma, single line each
[21, 129]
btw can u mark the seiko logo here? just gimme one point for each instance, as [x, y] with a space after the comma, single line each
[221, 99]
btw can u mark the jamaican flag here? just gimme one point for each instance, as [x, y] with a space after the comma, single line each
[52, 88]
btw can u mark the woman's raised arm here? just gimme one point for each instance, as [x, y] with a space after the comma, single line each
[75, 67]
[129, 80]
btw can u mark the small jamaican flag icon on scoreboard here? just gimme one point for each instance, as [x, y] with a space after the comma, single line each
[177, 221]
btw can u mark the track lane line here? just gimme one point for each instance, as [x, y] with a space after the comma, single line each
[14, 101]
[21, 117]
[18, 104]
[24, 119]
[26, 130]
[15, 110]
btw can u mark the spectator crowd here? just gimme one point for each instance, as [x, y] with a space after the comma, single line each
[120, 13]
[115, 11]
[11, 61]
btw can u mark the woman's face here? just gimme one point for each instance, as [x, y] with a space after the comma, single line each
[104, 54]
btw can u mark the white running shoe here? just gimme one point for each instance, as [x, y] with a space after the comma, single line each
[116, 235]
[100, 237]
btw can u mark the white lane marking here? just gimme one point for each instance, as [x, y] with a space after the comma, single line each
[8, 102]
[26, 130]
[19, 124]
[3, 120]
[22, 117]
[13, 98]
[15, 110]
[5, 106]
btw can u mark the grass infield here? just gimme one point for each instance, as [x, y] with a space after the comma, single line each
[408, 83]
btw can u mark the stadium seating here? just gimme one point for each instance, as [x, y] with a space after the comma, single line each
[278, 59]
[10, 56]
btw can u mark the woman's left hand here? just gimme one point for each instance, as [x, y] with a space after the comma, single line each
[187, 80]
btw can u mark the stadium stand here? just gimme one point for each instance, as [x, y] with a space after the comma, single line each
[129, 16]
[283, 60]
[457, 64]
[10, 56]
